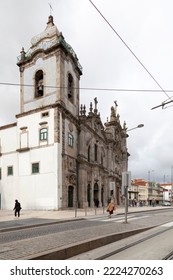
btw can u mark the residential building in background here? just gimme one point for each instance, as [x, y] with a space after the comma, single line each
[167, 192]
[147, 193]
[141, 192]
[155, 193]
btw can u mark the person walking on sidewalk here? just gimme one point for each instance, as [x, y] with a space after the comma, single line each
[111, 208]
[17, 208]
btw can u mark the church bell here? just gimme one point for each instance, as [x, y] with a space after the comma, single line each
[40, 89]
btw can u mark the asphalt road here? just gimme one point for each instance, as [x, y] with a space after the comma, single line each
[60, 235]
[11, 236]
[33, 232]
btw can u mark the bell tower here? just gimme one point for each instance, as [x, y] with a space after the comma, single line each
[49, 72]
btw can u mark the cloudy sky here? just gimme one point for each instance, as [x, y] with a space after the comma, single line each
[146, 26]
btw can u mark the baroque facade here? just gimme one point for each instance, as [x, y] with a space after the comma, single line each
[56, 155]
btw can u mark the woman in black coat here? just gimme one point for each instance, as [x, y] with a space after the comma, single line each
[17, 208]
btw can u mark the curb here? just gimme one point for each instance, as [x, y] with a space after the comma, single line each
[38, 225]
[74, 219]
[66, 252]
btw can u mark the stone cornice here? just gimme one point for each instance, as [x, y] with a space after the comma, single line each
[8, 126]
[20, 115]
[22, 150]
[58, 104]
[48, 47]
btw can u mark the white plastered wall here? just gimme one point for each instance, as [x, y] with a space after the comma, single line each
[35, 191]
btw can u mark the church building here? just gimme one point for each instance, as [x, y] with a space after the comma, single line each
[56, 155]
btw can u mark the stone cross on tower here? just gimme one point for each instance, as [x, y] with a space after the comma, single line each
[51, 9]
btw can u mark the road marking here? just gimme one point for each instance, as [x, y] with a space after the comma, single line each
[115, 219]
[103, 217]
[170, 224]
[135, 218]
[118, 219]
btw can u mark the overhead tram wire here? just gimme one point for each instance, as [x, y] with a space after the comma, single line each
[92, 88]
[167, 101]
[131, 51]
[162, 105]
[112, 89]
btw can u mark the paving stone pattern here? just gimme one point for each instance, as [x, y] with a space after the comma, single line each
[24, 243]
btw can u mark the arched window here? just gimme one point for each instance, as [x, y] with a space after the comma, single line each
[89, 195]
[39, 85]
[95, 152]
[102, 155]
[96, 194]
[70, 196]
[70, 87]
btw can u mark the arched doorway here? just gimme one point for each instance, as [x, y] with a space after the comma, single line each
[70, 196]
[102, 196]
[89, 195]
[96, 195]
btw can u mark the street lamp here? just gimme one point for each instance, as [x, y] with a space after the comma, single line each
[149, 173]
[126, 192]
[139, 126]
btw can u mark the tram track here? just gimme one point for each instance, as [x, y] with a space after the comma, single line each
[169, 256]
[114, 252]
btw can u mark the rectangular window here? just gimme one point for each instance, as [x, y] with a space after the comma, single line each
[45, 114]
[70, 140]
[43, 134]
[35, 168]
[9, 170]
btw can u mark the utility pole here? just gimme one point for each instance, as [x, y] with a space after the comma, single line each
[171, 184]
[126, 182]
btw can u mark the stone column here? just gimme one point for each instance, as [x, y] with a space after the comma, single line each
[82, 191]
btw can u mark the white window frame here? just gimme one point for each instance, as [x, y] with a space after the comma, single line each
[70, 140]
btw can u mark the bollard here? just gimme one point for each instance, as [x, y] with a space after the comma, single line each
[76, 209]
[75, 212]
